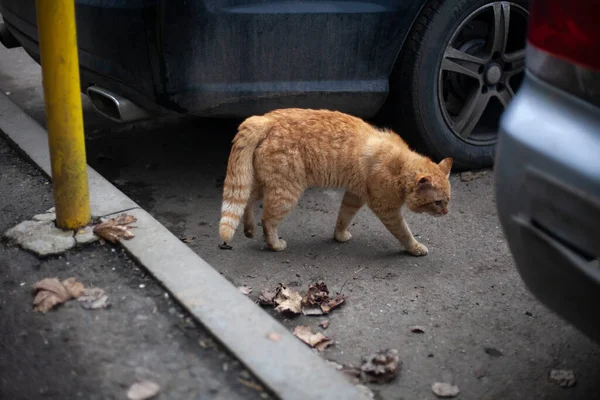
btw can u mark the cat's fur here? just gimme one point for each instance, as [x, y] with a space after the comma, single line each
[275, 157]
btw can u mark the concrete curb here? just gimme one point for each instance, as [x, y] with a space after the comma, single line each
[287, 366]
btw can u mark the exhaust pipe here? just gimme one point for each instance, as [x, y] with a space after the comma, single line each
[115, 107]
[6, 37]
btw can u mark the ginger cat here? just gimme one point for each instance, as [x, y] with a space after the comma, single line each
[275, 157]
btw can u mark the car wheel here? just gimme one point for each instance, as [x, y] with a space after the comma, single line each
[459, 69]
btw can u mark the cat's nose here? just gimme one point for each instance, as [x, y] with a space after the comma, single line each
[444, 211]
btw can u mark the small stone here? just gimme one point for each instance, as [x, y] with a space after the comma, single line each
[417, 329]
[86, 235]
[529, 314]
[445, 390]
[41, 237]
[142, 286]
[143, 390]
[563, 377]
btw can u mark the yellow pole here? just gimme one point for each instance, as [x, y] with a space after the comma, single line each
[60, 72]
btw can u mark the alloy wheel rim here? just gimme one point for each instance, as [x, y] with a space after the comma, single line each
[481, 69]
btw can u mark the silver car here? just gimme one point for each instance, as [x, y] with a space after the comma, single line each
[548, 162]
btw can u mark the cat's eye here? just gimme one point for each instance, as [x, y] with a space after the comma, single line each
[438, 203]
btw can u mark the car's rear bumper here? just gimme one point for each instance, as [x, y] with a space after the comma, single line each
[548, 198]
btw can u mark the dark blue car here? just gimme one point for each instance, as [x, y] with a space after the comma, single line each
[443, 69]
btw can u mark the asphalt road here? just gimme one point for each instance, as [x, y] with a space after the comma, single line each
[483, 330]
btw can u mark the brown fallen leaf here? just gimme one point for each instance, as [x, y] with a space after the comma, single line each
[316, 340]
[445, 390]
[267, 297]
[317, 300]
[116, 228]
[287, 300]
[316, 294]
[51, 292]
[245, 289]
[381, 366]
[332, 303]
[324, 324]
[142, 390]
[74, 288]
[93, 299]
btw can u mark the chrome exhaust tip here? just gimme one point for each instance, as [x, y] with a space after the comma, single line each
[115, 107]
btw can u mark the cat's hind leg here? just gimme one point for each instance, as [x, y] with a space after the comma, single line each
[351, 203]
[278, 203]
[249, 212]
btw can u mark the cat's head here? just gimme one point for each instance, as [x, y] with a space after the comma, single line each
[430, 190]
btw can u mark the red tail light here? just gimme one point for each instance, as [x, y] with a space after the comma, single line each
[568, 29]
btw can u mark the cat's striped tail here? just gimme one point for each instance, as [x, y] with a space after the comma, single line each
[237, 187]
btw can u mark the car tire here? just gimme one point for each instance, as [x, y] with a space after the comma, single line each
[415, 84]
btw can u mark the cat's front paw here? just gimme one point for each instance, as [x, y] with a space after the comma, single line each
[417, 249]
[342, 236]
[249, 232]
[280, 245]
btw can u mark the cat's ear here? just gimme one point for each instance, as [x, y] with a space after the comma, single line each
[424, 181]
[446, 165]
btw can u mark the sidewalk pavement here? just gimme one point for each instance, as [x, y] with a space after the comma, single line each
[71, 352]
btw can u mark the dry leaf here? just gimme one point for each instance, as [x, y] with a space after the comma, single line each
[317, 300]
[116, 228]
[267, 297]
[417, 329]
[324, 324]
[332, 303]
[74, 288]
[316, 294]
[316, 340]
[143, 390]
[445, 390]
[381, 366]
[245, 289]
[51, 292]
[287, 300]
[94, 298]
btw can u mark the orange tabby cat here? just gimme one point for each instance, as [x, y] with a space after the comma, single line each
[275, 157]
